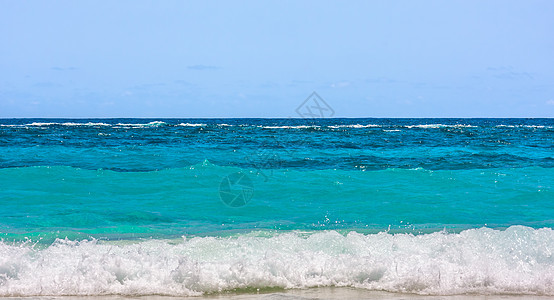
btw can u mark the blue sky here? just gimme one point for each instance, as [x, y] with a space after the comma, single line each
[263, 58]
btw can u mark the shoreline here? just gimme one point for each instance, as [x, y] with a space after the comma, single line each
[293, 294]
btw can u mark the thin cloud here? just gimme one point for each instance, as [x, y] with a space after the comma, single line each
[501, 68]
[514, 75]
[508, 72]
[147, 86]
[296, 83]
[341, 84]
[63, 69]
[268, 85]
[381, 80]
[182, 82]
[47, 84]
[202, 67]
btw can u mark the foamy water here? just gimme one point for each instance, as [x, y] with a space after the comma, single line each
[518, 260]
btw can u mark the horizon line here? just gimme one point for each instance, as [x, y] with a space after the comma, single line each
[268, 118]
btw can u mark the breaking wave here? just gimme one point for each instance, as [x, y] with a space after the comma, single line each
[518, 260]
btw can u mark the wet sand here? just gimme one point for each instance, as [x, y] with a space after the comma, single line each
[300, 294]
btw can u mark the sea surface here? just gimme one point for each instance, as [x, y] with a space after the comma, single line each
[188, 207]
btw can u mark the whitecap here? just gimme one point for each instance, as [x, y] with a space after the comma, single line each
[518, 260]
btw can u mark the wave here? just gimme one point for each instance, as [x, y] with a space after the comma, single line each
[518, 260]
[192, 124]
[117, 125]
[426, 126]
[290, 127]
[354, 126]
[328, 126]
[525, 126]
[41, 124]
[142, 125]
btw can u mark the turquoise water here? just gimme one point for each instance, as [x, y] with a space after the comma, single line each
[181, 207]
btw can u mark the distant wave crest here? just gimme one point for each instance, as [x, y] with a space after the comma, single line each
[332, 126]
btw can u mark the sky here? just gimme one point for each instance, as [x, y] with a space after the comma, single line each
[217, 59]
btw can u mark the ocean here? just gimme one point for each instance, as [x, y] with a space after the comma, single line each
[192, 207]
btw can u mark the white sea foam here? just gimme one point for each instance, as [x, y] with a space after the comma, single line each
[192, 124]
[41, 124]
[95, 124]
[160, 123]
[84, 124]
[291, 127]
[525, 126]
[142, 125]
[354, 126]
[440, 126]
[519, 260]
